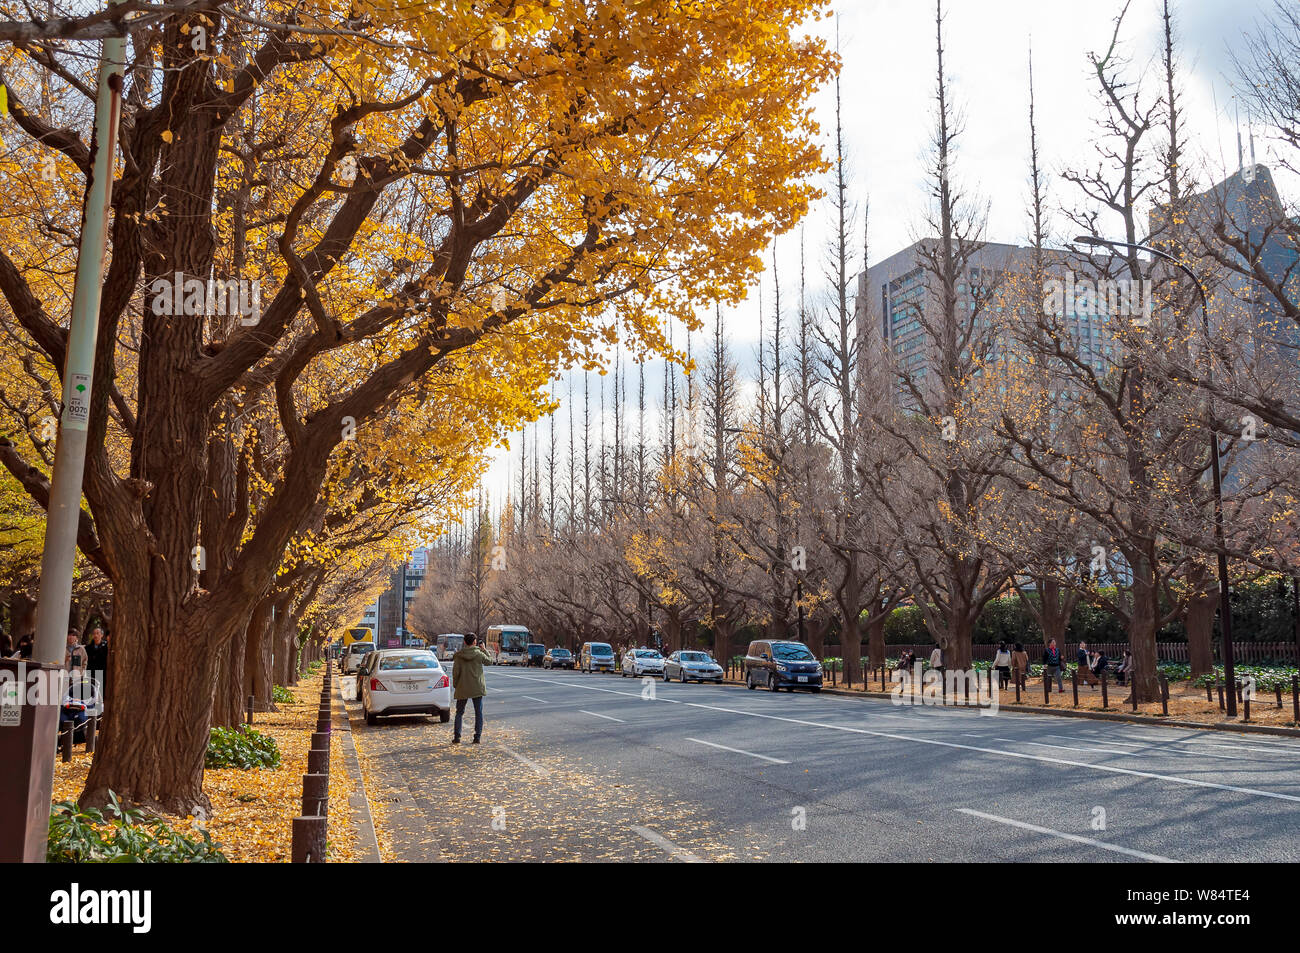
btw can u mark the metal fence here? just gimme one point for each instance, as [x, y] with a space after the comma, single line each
[1242, 652]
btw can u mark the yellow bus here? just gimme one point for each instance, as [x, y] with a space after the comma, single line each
[357, 634]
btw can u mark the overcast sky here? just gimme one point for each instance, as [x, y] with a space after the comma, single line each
[887, 87]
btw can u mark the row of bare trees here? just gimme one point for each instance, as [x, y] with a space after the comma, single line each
[1010, 450]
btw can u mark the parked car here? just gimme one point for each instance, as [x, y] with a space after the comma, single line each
[404, 682]
[536, 654]
[596, 657]
[558, 658]
[780, 664]
[353, 656]
[637, 662]
[691, 666]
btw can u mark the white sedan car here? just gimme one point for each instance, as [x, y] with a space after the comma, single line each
[638, 662]
[404, 682]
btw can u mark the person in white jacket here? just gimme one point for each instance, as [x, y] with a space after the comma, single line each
[1002, 664]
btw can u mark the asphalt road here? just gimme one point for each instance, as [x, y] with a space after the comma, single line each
[704, 772]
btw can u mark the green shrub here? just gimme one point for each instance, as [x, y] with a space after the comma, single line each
[283, 696]
[242, 748]
[87, 836]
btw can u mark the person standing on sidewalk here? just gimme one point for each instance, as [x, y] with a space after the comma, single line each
[1052, 665]
[469, 685]
[1002, 665]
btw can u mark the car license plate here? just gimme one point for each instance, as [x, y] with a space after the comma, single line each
[803, 678]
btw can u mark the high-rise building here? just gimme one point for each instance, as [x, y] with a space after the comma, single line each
[387, 615]
[1246, 212]
[898, 299]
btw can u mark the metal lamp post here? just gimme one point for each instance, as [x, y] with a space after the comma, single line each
[1225, 605]
[27, 736]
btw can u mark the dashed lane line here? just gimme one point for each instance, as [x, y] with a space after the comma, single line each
[1154, 858]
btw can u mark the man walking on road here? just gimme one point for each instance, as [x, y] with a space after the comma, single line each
[469, 685]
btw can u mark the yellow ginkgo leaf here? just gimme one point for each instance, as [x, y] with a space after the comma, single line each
[167, 136]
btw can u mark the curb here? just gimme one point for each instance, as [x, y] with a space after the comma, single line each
[364, 825]
[1239, 729]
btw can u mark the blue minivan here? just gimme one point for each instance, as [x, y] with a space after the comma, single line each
[777, 664]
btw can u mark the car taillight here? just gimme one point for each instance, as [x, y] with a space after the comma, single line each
[377, 686]
[443, 682]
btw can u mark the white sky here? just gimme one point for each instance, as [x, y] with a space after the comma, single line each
[887, 86]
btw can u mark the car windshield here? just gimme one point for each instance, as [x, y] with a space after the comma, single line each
[792, 652]
[601, 649]
[647, 653]
[396, 663]
[363, 647]
[695, 657]
[559, 653]
[536, 650]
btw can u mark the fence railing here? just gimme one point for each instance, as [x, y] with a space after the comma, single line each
[1247, 652]
[309, 830]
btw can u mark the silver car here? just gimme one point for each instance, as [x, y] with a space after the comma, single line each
[638, 662]
[691, 666]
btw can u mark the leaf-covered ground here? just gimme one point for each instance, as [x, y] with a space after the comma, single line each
[434, 801]
[253, 810]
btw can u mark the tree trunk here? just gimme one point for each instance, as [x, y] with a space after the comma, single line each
[228, 696]
[160, 692]
[257, 660]
[814, 630]
[1142, 630]
[956, 643]
[723, 629]
[876, 641]
[851, 648]
[1200, 631]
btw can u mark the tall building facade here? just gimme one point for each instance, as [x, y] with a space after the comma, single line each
[897, 300]
[387, 615]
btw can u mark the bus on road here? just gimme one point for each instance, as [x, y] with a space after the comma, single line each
[449, 643]
[357, 634]
[508, 644]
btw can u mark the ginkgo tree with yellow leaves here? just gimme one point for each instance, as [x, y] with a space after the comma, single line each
[441, 204]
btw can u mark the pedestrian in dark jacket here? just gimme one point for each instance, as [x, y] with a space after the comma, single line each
[97, 652]
[469, 685]
[1052, 664]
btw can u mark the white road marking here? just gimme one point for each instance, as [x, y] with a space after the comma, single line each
[528, 761]
[1160, 743]
[1109, 741]
[1154, 858]
[1023, 755]
[654, 837]
[534, 699]
[1042, 744]
[596, 714]
[761, 757]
